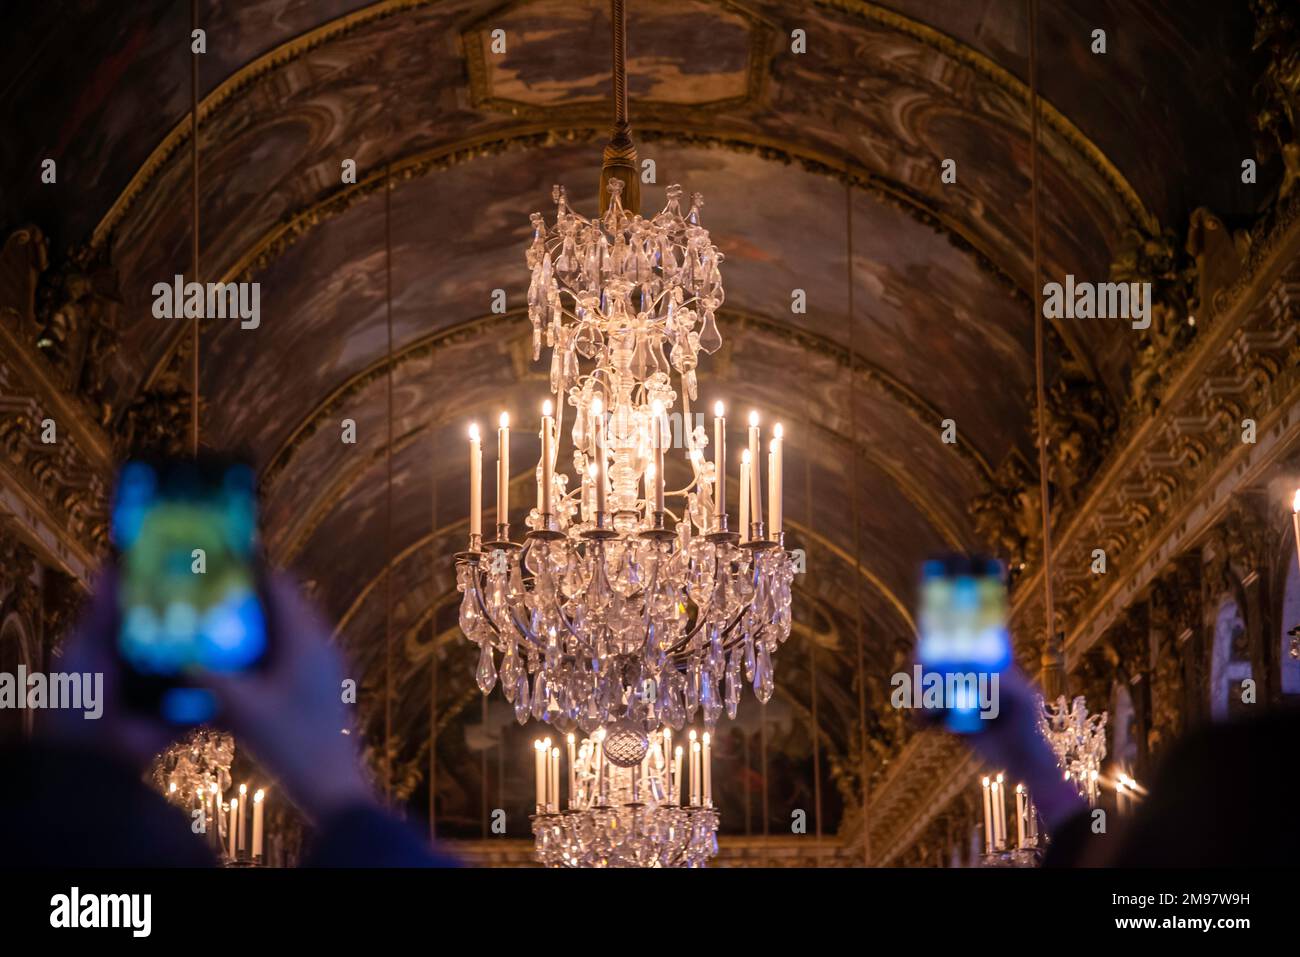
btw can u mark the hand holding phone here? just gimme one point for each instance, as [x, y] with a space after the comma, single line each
[188, 591]
[964, 635]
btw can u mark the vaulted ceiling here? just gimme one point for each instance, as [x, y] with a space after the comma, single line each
[800, 157]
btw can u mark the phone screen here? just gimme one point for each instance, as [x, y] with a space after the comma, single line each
[188, 598]
[963, 629]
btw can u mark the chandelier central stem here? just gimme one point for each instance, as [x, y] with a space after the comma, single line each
[620, 160]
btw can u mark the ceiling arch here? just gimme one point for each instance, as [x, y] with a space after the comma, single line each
[787, 148]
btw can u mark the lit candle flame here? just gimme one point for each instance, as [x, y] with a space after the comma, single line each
[505, 420]
[753, 417]
[547, 407]
[1295, 503]
[719, 409]
[473, 431]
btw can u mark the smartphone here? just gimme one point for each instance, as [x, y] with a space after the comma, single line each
[189, 593]
[963, 633]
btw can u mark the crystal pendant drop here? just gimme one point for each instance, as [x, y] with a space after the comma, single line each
[486, 674]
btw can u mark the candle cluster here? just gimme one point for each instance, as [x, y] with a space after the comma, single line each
[638, 506]
[226, 823]
[665, 775]
[995, 817]
[601, 580]
[1127, 793]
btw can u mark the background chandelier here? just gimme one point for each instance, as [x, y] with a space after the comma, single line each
[1079, 741]
[646, 813]
[614, 606]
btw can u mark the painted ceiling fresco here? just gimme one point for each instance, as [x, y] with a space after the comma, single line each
[790, 151]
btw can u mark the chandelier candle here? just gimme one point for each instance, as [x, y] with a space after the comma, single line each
[774, 481]
[657, 432]
[988, 816]
[1000, 812]
[548, 464]
[708, 770]
[503, 478]
[720, 466]
[259, 806]
[573, 764]
[475, 489]
[539, 777]
[755, 483]
[744, 495]
[598, 425]
[1020, 815]
[234, 826]
[1295, 523]
[677, 775]
[554, 803]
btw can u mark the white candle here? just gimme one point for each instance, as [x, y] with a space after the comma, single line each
[774, 457]
[600, 764]
[720, 462]
[677, 775]
[475, 483]
[988, 819]
[1020, 815]
[657, 434]
[1295, 522]
[503, 470]
[744, 496]
[548, 459]
[546, 774]
[259, 800]
[668, 761]
[1000, 813]
[234, 826]
[598, 443]
[243, 813]
[539, 775]
[755, 476]
[708, 771]
[695, 770]
[573, 772]
[554, 802]
[650, 473]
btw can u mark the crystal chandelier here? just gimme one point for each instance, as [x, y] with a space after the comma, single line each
[194, 775]
[1079, 741]
[615, 606]
[625, 810]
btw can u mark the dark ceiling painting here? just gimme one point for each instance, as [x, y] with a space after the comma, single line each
[791, 151]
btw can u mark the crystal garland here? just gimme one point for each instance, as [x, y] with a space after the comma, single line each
[603, 613]
[1078, 740]
[631, 815]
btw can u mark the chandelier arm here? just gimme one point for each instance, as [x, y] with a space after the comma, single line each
[487, 616]
[700, 618]
[726, 631]
[478, 599]
[568, 624]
